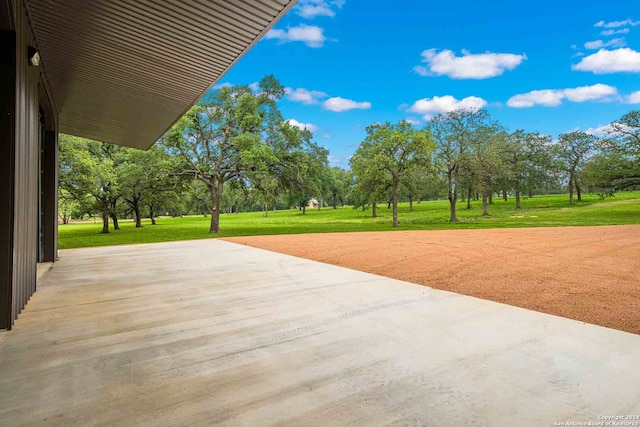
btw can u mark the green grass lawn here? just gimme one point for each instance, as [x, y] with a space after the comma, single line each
[539, 211]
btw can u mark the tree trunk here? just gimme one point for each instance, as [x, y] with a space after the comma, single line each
[320, 204]
[152, 215]
[571, 190]
[411, 204]
[375, 209]
[389, 205]
[105, 221]
[518, 199]
[491, 198]
[266, 209]
[469, 198]
[578, 191]
[136, 211]
[452, 208]
[216, 192]
[304, 210]
[504, 195]
[396, 188]
[485, 211]
[114, 218]
[113, 213]
[453, 198]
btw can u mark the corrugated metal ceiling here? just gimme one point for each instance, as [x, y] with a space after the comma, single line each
[123, 71]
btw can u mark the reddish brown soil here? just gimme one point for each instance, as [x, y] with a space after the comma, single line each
[591, 274]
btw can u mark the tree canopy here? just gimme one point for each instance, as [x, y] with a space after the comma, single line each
[237, 134]
[383, 159]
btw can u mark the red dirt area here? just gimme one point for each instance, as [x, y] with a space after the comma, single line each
[591, 274]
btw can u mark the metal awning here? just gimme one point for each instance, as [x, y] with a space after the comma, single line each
[123, 71]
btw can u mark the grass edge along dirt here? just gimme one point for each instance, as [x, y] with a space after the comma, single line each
[538, 211]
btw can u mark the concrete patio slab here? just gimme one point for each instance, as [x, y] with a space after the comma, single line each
[210, 332]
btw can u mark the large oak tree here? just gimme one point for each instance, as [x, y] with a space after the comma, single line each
[235, 132]
[455, 133]
[573, 150]
[387, 154]
[88, 176]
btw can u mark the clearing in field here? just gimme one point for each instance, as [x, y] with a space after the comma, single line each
[591, 274]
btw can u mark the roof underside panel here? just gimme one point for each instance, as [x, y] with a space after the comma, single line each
[123, 71]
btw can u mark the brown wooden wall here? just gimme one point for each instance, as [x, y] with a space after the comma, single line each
[20, 149]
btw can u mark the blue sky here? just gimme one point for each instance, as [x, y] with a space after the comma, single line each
[545, 66]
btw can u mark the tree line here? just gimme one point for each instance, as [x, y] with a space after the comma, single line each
[234, 151]
[469, 155]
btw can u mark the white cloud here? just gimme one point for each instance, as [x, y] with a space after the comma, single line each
[255, 86]
[608, 33]
[307, 97]
[610, 61]
[554, 97]
[590, 93]
[309, 9]
[302, 126]
[420, 70]
[221, 85]
[616, 24]
[600, 130]
[467, 66]
[336, 160]
[599, 44]
[338, 104]
[310, 35]
[634, 98]
[547, 97]
[412, 121]
[444, 104]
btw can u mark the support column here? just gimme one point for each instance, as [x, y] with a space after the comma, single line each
[7, 171]
[50, 197]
